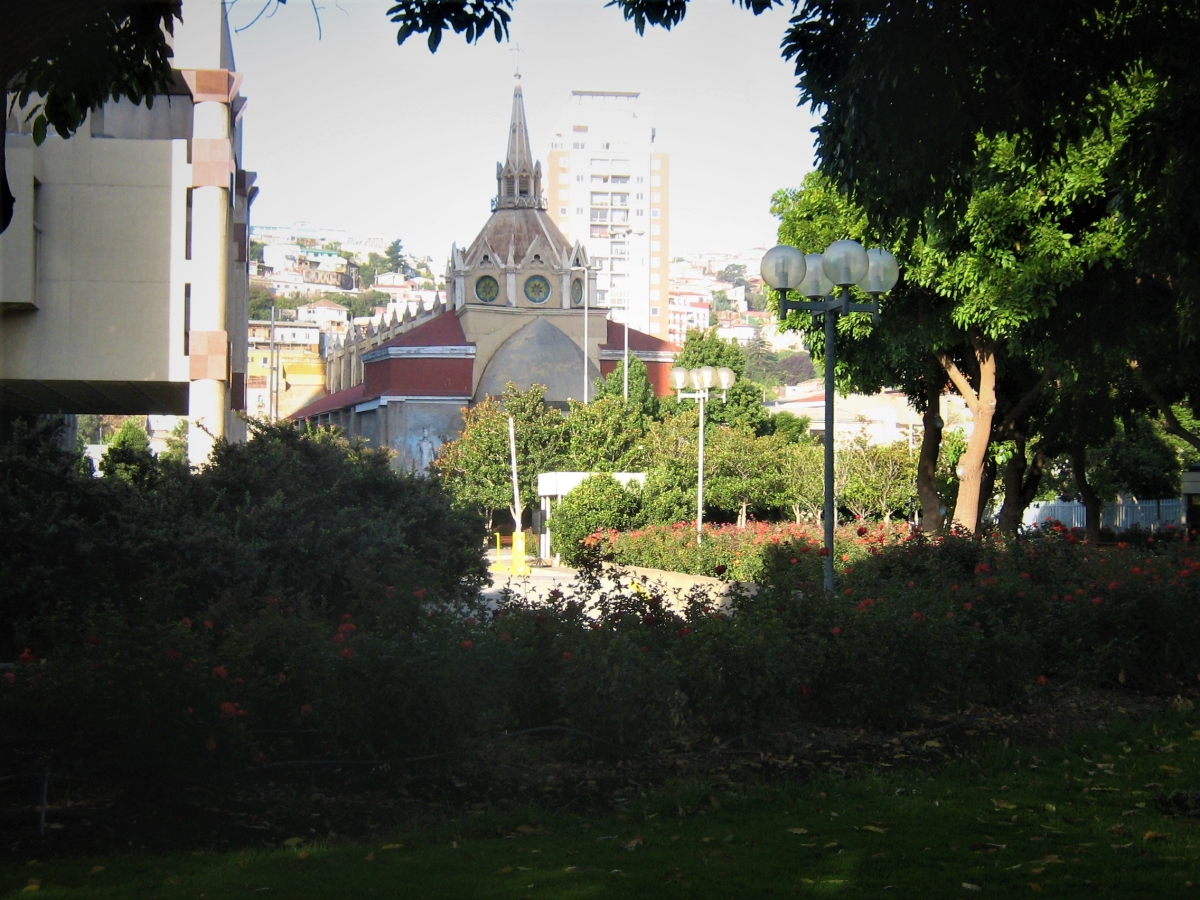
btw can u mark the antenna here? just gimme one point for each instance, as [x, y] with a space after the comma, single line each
[516, 48]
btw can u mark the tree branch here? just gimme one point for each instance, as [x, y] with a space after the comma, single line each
[1170, 422]
[1015, 413]
[959, 379]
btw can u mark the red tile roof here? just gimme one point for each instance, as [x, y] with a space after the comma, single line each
[329, 403]
[638, 340]
[441, 331]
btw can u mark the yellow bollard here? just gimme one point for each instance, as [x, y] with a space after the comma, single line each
[518, 554]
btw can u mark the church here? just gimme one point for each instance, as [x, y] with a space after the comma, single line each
[518, 308]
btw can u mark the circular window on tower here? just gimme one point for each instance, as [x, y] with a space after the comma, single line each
[487, 289]
[537, 289]
[577, 291]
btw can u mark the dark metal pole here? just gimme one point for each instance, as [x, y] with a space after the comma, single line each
[830, 512]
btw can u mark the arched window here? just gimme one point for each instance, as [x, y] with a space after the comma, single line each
[509, 186]
[524, 185]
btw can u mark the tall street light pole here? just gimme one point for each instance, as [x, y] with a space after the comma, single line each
[702, 380]
[843, 264]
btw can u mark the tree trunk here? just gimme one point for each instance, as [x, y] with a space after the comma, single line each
[931, 445]
[742, 515]
[1091, 501]
[982, 403]
[796, 512]
[1021, 480]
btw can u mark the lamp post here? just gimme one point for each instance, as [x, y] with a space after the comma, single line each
[843, 264]
[702, 381]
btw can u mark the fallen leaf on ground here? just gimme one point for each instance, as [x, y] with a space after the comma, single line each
[874, 829]
[1156, 836]
[303, 854]
[391, 846]
[505, 870]
[633, 844]
[798, 831]
[529, 829]
[370, 857]
[1036, 888]
[1121, 846]
[96, 870]
[831, 845]
[293, 842]
[971, 887]
[1003, 804]
[571, 869]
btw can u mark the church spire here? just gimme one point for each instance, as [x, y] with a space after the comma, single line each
[519, 179]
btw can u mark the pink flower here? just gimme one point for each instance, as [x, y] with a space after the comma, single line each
[1041, 679]
[26, 658]
[1096, 601]
[806, 691]
[208, 623]
[10, 677]
[282, 678]
[305, 709]
[567, 655]
[506, 636]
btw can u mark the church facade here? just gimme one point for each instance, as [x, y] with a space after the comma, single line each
[518, 309]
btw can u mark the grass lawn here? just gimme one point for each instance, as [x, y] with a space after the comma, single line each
[1074, 820]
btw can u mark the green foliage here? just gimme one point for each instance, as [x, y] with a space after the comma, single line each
[477, 467]
[597, 503]
[261, 300]
[704, 348]
[641, 392]
[742, 471]
[606, 435]
[128, 456]
[791, 427]
[177, 444]
[880, 479]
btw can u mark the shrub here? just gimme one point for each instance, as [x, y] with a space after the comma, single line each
[599, 501]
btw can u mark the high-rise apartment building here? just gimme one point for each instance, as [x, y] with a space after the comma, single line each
[608, 186]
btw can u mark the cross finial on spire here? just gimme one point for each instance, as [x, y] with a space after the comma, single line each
[516, 48]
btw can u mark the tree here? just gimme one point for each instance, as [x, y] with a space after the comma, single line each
[595, 503]
[734, 274]
[128, 456]
[641, 392]
[606, 435]
[791, 427]
[741, 471]
[802, 480]
[742, 407]
[880, 479]
[477, 466]
[395, 256]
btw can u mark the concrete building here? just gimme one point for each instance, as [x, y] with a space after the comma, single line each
[123, 278]
[517, 310]
[609, 187]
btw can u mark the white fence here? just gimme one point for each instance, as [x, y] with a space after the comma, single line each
[1147, 514]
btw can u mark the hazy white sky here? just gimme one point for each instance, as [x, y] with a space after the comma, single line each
[352, 131]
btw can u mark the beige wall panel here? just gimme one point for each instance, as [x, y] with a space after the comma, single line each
[121, 234]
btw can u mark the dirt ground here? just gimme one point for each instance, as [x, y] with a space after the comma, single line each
[334, 803]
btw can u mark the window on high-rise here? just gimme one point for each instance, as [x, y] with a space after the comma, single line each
[620, 179]
[562, 210]
[578, 146]
[599, 215]
[654, 213]
[655, 180]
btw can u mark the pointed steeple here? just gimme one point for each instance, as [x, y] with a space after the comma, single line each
[519, 179]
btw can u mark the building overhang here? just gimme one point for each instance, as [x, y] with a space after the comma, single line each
[657, 356]
[368, 405]
[463, 351]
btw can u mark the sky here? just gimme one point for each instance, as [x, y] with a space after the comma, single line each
[349, 130]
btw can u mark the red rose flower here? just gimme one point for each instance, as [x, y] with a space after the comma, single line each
[644, 649]
[472, 621]
[347, 628]
[835, 630]
[347, 653]
[26, 658]
[10, 677]
[208, 623]
[186, 622]
[1096, 601]
[93, 640]
[824, 551]
[862, 530]
[1041, 679]
[220, 672]
[282, 678]
[506, 636]
[467, 645]
[567, 655]
[305, 709]
[172, 655]
[211, 744]
[806, 691]
[420, 593]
